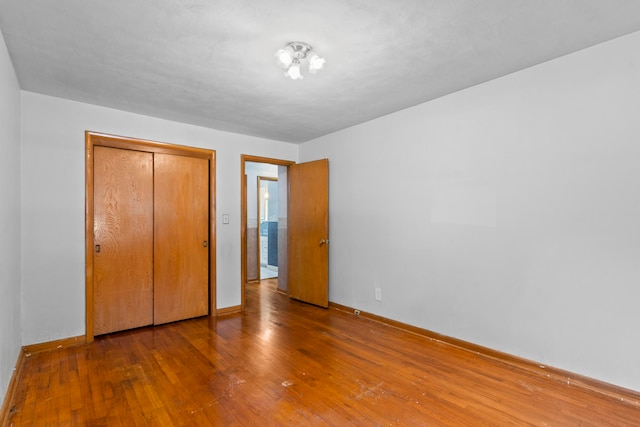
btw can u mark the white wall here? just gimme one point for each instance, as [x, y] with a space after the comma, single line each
[507, 214]
[53, 194]
[9, 219]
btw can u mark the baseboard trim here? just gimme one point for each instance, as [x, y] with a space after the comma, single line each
[7, 403]
[229, 310]
[54, 345]
[621, 394]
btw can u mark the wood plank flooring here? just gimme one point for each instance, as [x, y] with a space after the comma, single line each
[283, 362]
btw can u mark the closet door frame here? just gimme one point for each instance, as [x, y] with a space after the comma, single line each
[99, 139]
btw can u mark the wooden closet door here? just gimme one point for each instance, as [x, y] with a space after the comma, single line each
[181, 230]
[123, 235]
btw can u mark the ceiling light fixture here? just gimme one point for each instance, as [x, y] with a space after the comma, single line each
[294, 55]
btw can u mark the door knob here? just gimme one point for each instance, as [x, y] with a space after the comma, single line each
[323, 241]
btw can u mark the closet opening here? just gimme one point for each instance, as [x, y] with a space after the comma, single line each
[149, 233]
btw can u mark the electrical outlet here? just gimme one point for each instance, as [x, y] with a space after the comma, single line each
[356, 312]
[378, 294]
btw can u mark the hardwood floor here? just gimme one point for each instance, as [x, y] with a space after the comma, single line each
[287, 363]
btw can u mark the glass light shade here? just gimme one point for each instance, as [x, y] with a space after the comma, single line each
[284, 58]
[294, 71]
[315, 63]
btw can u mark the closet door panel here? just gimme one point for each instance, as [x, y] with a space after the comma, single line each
[123, 235]
[181, 232]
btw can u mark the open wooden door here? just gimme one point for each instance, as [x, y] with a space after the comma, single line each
[309, 232]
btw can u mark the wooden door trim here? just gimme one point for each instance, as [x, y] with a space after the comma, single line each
[100, 139]
[243, 213]
[127, 143]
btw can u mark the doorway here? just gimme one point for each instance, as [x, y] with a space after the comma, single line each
[303, 228]
[268, 219]
[264, 221]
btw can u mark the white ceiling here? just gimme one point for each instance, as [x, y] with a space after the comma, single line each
[211, 62]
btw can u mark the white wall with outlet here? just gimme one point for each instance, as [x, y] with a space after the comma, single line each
[506, 214]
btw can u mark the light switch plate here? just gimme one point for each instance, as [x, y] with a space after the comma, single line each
[225, 218]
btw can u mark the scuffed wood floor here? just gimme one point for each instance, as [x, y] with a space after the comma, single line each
[287, 363]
